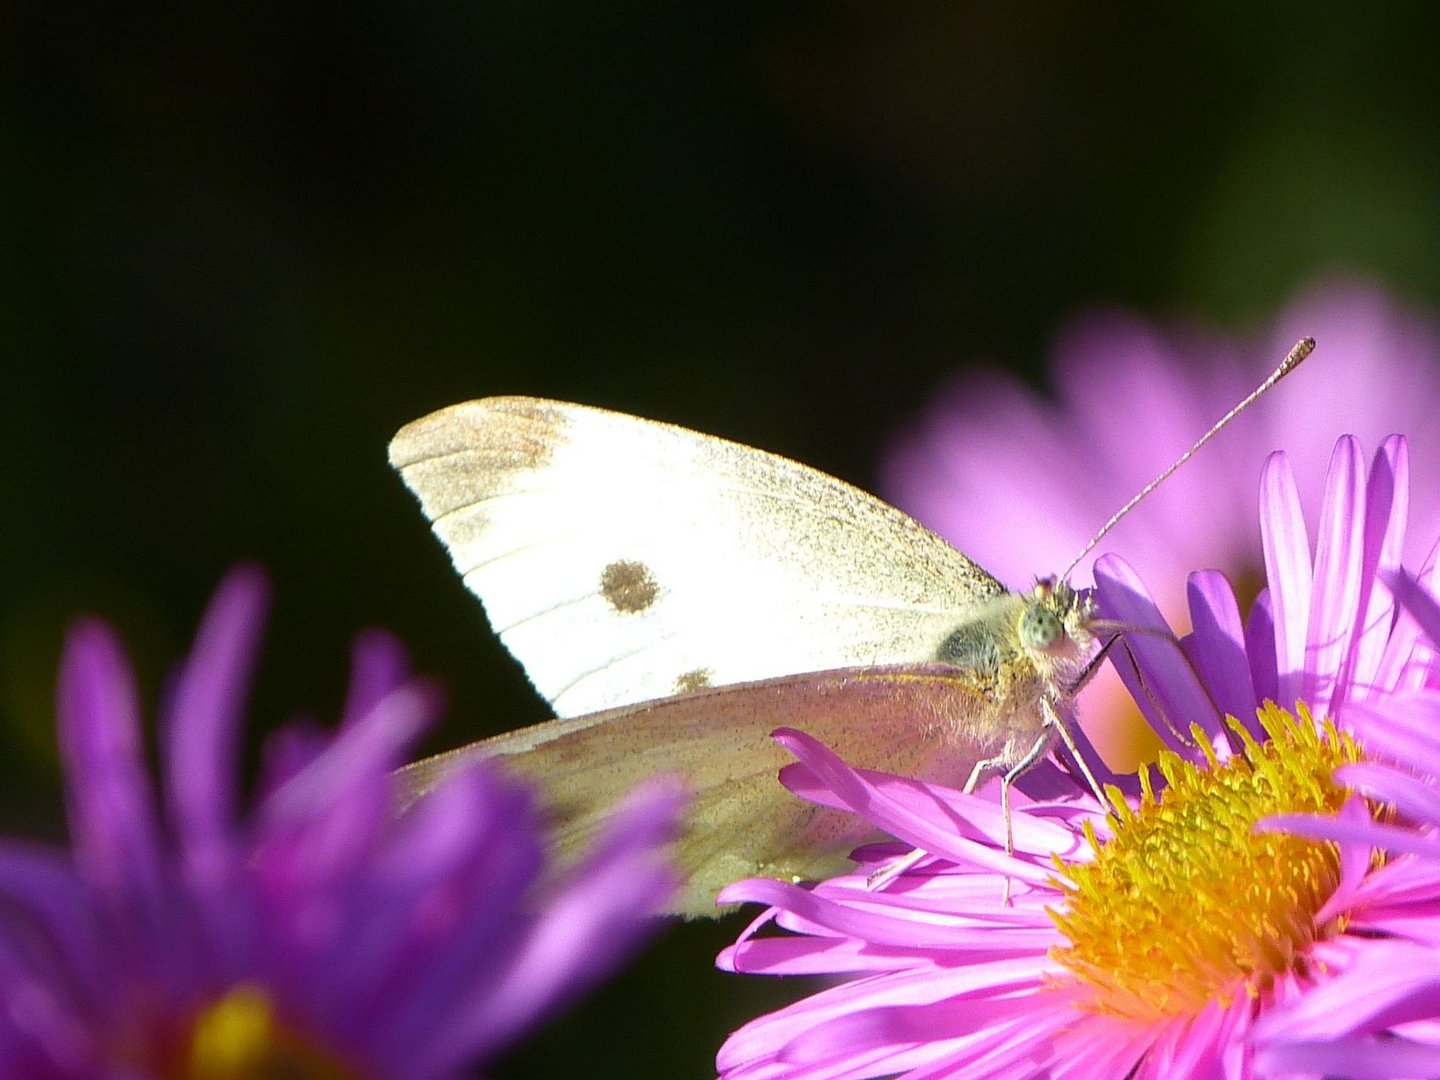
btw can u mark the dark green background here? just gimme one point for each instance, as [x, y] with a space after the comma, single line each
[242, 243]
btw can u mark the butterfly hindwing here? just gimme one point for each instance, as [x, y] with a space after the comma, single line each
[923, 721]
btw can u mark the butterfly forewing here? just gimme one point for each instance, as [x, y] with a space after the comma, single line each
[623, 560]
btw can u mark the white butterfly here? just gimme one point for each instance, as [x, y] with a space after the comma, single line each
[676, 597]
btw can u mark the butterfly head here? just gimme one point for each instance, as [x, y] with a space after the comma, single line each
[1056, 620]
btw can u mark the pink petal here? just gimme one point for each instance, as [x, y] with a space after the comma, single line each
[793, 955]
[203, 721]
[1405, 729]
[1339, 550]
[378, 664]
[1216, 646]
[1390, 983]
[1412, 796]
[1386, 505]
[1355, 1060]
[887, 920]
[1287, 568]
[1261, 649]
[1418, 602]
[1170, 682]
[1391, 837]
[768, 1035]
[983, 818]
[114, 823]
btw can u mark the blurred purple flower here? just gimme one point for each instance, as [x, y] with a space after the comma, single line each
[1157, 941]
[316, 936]
[1128, 399]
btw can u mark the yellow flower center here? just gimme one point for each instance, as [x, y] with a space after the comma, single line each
[240, 1037]
[1187, 904]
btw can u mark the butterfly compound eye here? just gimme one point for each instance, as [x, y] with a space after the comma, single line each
[1041, 628]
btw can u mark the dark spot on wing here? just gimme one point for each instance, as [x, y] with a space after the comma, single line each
[628, 586]
[691, 681]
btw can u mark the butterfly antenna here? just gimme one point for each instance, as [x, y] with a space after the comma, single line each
[1302, 348]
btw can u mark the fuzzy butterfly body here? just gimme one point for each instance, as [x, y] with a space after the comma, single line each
[676, 597]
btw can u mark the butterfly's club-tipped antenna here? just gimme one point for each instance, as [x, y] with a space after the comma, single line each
[1302, 348]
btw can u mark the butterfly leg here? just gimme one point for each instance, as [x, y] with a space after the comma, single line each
[893, 869]
[1013, 773]
[1093, 664]
[982, 766]
[1019, 769]
[1133, 665]
[1056, 725]
[1150, 696]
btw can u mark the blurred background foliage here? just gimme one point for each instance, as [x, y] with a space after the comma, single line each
[241, 244]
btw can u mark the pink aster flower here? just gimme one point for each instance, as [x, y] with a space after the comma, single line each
[1155, 940]
[316, 935]
[1128, 397]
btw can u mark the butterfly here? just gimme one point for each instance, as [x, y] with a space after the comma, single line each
[677, 596]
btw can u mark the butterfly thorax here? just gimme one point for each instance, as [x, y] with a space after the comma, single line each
[1019, 650]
